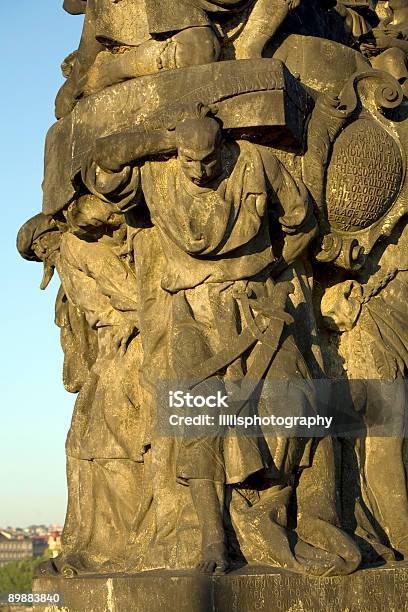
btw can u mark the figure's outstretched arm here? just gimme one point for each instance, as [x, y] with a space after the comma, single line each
[293, 209]
[110, 170]
[113, 153]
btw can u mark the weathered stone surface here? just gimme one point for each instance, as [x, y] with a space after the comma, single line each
[225, 202]
[246, 590]
[323, 65]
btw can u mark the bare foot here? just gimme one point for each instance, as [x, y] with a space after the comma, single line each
[214, 560]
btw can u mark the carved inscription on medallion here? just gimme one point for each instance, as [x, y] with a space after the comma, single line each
[364, 176]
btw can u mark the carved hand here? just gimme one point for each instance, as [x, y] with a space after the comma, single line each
[105, 153]
[99, 74]
[386, 38]
[385, 41]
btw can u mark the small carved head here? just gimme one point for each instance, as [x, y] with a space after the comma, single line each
[199, 151]
[39, 240]
[90, 217]
[341, 305]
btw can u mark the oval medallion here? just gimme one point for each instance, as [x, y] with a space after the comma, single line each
[364, 176]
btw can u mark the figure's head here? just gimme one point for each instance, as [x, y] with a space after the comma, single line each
[39, 240]
[90, 217]
[199, 152]
[341, 305]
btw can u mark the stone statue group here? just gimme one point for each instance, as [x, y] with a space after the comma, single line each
[225, 205]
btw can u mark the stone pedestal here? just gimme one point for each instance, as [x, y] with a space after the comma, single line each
[250, 589]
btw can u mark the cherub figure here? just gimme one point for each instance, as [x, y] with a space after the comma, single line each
[387, 45]
[131, 38]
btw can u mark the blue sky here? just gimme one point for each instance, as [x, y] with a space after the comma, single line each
[35, 409]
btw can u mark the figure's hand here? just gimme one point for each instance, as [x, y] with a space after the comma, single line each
[384, 41]
[102, 73]
[368, 49]
[66, 99]
[373, 46]
[104, 154]
[388, 31]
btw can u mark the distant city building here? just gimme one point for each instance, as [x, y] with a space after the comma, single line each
[14, 549]
[54, 543]
[17, 547]
[40, 545]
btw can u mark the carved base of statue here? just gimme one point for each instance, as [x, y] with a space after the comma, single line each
[245, 590]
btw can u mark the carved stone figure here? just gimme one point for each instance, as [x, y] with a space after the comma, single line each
[387, 45]
[105, 444]
[145, 36]
[102, 445]
[131, 38]
[39, 240]
[225, 203]
[371, 316]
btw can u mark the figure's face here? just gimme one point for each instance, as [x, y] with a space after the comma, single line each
[200, 166]
[46, 246]
[91, 218]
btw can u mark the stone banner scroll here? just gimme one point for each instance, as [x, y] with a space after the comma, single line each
[247, 94]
